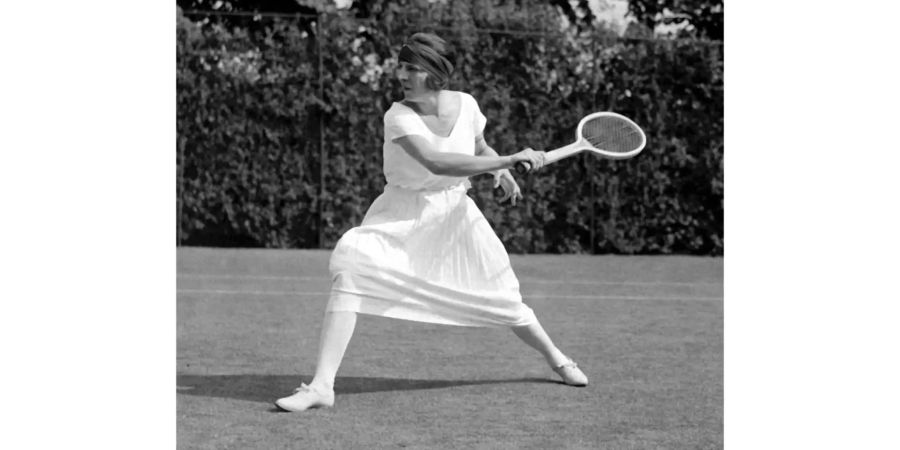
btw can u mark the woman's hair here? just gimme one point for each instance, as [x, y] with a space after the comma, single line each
[433, 55]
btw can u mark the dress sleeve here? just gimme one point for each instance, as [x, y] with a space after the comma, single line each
[478, 119]
[399, 123]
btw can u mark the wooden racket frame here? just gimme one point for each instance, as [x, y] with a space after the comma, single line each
[581, 144]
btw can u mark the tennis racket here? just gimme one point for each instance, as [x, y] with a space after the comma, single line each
[607, 134]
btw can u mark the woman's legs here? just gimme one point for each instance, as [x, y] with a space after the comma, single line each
[337, 329]
[535, 336]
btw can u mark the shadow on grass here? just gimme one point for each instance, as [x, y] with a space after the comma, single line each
[266, 388]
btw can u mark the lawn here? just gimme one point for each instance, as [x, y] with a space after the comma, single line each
[647, 330]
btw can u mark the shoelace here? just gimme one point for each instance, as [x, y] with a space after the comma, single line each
[568, 364]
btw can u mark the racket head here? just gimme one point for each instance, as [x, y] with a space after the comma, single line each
[611, 135]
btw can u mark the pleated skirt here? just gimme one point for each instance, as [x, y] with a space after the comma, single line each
[427, 256]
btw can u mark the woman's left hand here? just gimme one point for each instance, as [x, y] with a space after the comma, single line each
[511, 190]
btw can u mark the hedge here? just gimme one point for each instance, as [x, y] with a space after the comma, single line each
[251, 117]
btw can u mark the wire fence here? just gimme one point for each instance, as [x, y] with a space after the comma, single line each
[424, 25]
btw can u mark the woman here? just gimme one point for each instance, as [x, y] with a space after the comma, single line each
[424, 252]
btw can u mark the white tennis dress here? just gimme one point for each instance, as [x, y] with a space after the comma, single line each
[424, 251]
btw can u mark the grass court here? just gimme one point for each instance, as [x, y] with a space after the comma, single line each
[647, 330]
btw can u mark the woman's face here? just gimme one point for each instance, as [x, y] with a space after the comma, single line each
[412, 79]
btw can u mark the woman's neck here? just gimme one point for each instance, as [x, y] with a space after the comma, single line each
[426, 104]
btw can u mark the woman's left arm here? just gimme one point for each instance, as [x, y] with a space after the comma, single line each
[502, 178]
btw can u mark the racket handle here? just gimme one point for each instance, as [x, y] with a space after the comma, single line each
[522, 167]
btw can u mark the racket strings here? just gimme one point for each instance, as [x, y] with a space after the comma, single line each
[612, 134]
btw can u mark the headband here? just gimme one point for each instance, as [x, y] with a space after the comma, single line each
[428, 59]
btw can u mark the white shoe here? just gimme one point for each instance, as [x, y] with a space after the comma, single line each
[306, 397]
[571, 374]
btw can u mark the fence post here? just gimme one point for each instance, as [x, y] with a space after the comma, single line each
[181, 145]
[322, 156]
[591, 168]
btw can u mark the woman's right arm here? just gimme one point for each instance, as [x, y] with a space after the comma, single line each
[459, 165]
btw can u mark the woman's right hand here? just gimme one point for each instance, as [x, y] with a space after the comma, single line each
[534, 159]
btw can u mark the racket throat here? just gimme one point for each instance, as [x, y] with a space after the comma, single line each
[565, 152]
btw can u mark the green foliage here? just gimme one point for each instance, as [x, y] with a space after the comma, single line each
[704, 18]
[250, 106]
